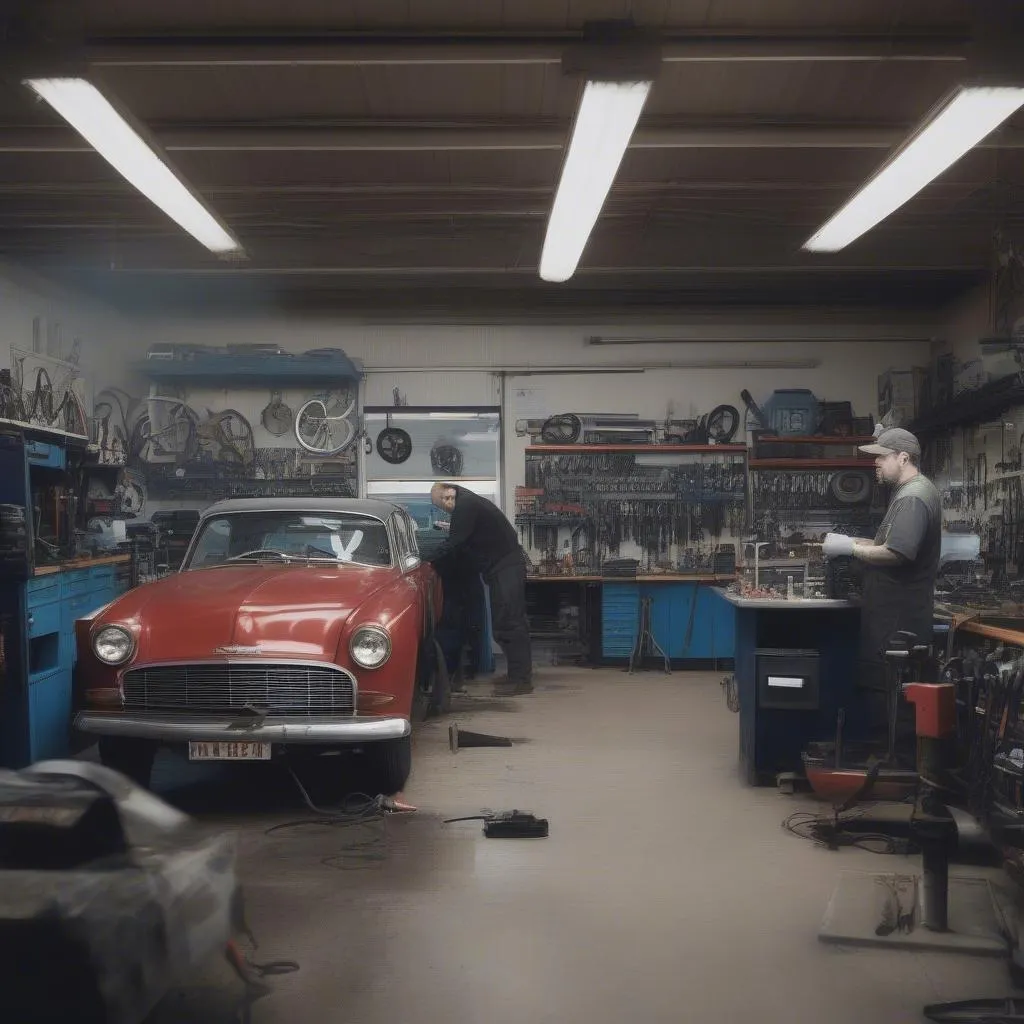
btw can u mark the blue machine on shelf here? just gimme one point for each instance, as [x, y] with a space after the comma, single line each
[38, 609]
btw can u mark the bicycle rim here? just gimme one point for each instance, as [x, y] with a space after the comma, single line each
[321, 434]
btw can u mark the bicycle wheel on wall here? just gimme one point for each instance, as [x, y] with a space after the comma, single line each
[324, 431]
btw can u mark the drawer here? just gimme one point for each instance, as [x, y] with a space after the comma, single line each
[43, 589]
[76, 581]
[43, 619]
[78, 605]
[39, 453]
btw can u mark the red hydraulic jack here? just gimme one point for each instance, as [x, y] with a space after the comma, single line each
[929, 910]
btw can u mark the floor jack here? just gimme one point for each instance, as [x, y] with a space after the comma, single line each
[928, 910]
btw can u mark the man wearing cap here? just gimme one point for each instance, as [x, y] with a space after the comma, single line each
[901, 563]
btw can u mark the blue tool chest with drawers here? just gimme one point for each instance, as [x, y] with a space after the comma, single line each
[686, 619]
[39, 605]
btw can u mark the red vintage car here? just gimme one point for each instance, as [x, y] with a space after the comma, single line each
[294, 627]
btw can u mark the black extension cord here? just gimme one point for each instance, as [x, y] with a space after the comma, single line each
[827, 831]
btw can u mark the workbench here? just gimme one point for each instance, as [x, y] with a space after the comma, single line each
[37, 699]
[686, 620]
[39, 605]
[772, 738]
[1006, 635]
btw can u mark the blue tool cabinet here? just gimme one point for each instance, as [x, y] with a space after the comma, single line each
[38, 609]
[687, 620]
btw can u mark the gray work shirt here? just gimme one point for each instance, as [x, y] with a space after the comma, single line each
[901, 597]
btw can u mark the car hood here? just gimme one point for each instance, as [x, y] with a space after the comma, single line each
[295, 611]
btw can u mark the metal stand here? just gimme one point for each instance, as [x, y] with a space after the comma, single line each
[929, 910]
[646, 645]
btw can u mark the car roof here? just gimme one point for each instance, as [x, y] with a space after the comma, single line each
[374, 507]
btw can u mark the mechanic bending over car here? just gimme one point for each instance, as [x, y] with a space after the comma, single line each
[480, 530]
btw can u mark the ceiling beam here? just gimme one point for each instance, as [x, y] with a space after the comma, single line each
[242, 138]
[514, 247]
[750, 46]
[529, 196]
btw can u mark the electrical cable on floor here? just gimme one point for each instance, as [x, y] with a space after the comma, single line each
[252, 974]
[358, 810]
[827, 832]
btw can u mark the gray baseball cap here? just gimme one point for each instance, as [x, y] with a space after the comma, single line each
[896, 439]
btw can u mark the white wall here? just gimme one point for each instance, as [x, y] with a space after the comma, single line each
[105, 336]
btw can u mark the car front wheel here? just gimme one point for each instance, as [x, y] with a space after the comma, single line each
[387, 765]
[132, 758]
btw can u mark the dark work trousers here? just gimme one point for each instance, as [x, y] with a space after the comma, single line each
[461, 623]
[507, 583]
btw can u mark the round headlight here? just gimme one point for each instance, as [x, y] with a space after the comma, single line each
[112, 645]
[370, 646]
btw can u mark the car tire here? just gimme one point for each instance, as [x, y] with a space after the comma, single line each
[441, 691]
[132, 758]
[386, 766]
[433, 693]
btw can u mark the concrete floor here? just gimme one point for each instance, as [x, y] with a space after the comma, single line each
[667, 890]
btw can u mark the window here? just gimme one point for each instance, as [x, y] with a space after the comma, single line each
[407, 546]
[458, 444]
[284, 537]
[410, 525]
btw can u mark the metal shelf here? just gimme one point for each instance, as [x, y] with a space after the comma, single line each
[812, 439]
[865, 463]
[637, 449]
[971, 407]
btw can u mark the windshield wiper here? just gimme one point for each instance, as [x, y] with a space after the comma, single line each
[311, 551]
[262, 553]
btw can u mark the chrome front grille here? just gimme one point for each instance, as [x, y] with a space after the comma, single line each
[280, 689]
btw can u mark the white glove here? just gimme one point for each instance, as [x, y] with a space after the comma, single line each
[837, 545]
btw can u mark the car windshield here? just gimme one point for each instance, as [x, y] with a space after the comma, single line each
[241, 538]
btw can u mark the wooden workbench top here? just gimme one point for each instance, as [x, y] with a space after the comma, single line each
[82, 563]
[1014, 637]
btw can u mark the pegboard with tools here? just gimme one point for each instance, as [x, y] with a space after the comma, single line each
[978, 471]
[797, 500]
[630, 509]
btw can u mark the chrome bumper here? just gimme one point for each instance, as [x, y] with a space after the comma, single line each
[171, 728]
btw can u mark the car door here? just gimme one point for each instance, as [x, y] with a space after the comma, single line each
[419, 572]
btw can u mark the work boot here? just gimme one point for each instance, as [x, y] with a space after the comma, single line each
[512, 688]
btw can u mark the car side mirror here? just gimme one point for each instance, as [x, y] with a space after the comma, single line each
[411, 561]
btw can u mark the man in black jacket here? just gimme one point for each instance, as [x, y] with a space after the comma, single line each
[480, 529]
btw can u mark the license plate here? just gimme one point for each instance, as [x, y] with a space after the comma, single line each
[199, 751]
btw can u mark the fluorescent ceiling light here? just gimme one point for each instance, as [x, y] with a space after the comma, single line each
[92, 115]
[604, 125]
[960, 124]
